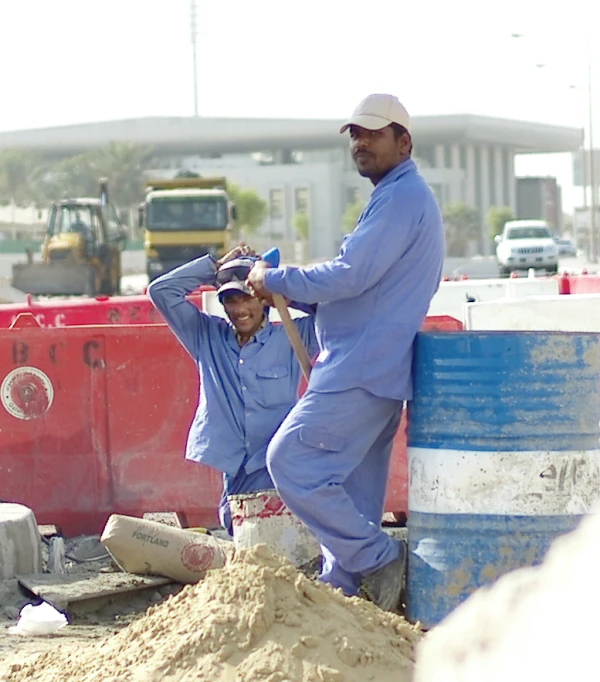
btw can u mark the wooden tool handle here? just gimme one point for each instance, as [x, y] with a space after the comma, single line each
[293, 335]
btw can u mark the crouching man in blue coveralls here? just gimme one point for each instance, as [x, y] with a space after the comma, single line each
[330, 458]
[249, 375]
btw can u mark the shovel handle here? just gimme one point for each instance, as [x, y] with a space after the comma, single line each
[293, 335]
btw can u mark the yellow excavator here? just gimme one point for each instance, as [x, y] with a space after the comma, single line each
[81, 251]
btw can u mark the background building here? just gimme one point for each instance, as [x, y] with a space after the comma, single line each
[304, 165]
[540, 198]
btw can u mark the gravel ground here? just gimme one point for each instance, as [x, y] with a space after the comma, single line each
[87, 625]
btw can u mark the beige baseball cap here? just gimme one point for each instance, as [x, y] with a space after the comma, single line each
[376, 112]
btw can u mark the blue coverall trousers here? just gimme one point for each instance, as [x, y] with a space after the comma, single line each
[238, 484]
[329, 461]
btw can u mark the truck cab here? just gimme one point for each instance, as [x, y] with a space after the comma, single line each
[183, 219]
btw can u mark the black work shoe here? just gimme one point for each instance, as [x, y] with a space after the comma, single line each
[383, 587]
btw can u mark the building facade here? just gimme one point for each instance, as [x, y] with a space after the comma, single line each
[540, 198]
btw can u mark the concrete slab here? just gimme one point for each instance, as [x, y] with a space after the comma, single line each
[63, 591]
[573, 313]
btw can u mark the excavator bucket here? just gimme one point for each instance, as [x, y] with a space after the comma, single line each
[54, 279]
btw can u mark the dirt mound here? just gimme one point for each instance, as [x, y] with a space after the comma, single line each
[256, 619]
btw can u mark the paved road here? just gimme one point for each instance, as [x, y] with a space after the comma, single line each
[135, 280]
[486, 266]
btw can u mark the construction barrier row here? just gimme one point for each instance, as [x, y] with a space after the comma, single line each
[450, 299]
[579, 284]
[93, 421]
[80, 311]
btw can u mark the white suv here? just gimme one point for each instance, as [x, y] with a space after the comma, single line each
[526, 244]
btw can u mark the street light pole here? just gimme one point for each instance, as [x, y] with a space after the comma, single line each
[592, 170]
[593, 255]
[194, 34]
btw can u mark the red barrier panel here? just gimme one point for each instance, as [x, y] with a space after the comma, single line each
[80, 311]
[93, 421]
[579, 284]
[564, 286]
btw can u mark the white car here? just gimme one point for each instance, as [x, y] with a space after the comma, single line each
[526, 244]
[566, 247]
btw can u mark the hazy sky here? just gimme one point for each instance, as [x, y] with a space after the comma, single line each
[69, 61]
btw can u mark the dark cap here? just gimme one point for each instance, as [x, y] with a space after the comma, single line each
[232, 277]
[233, 288]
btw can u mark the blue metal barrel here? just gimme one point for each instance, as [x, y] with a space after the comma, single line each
[503, 456]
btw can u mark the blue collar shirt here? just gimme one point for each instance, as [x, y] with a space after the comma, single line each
[373, 297]
[245, 391]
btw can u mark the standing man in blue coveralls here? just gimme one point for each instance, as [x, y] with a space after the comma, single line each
[249, 375]
[330, 458]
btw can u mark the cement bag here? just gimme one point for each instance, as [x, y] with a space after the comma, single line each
[151, 548]
[263, 518]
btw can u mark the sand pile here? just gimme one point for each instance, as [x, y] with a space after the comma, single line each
[256, 619]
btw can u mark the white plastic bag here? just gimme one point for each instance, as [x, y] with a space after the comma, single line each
[43, 619]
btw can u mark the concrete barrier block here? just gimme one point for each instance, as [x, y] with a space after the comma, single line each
[20, 541]
[452, 297]
[579, 312]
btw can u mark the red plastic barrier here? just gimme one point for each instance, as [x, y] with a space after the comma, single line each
[81, 311]
[441, 323]
[93, 421]
[579, 284]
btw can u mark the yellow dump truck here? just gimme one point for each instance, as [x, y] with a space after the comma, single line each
[81, 251]
[185, 218]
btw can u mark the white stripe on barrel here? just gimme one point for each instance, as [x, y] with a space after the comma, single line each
[521, 483]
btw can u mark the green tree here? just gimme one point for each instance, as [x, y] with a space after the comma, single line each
[301, 223]
[72, 177]
[251, 208]
[496, 217]
[123, 163]
[20, 173]
[462, 226]
[351, 215]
